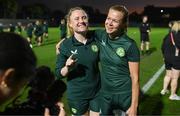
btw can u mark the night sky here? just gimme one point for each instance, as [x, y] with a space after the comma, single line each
[103, 5]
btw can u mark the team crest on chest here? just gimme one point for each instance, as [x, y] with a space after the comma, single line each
[120, 51]
[94, 48]
[74, 110]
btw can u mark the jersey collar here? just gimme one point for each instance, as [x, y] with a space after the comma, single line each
[117, 37]
[77, 43]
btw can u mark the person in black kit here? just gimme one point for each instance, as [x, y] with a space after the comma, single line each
[144, 33]
[171, 54]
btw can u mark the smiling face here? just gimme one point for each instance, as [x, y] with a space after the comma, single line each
[78, 21]
[114, 22]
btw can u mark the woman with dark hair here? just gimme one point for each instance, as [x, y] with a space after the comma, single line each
[17, 65]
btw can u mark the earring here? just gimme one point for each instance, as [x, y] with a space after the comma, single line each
[4, 88]
[3, 84]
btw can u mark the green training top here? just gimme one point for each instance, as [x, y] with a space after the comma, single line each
[63, 30]
[114, 58]
[29, 30]
[38, 30]
[1, 28]
[83, 80]
[45, 27]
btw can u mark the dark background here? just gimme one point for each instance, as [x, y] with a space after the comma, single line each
[160, 12]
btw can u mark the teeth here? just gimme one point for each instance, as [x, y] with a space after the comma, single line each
[81, 26]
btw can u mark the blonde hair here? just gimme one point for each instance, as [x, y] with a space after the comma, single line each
[70, 30]
[123, 10]
[176, 26]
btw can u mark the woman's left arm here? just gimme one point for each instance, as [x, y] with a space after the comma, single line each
[134, 73]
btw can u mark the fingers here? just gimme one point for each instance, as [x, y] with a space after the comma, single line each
[70, 57]
[46, 112]
[76, 60]
[73, 59]
[70, 61]
[60, 104]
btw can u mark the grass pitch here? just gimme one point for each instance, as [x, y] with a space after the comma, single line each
[152, 103]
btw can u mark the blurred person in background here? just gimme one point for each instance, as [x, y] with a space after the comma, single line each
[45, 29]
[29, 32]
[1, 28]
[144, 33]
[63, 33]
[11, 28]
[19, 28]
[170, 50]
[17, 65]
[44, 96]
[38, 32]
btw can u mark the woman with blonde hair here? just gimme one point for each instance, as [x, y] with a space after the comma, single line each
[78, 62]
[170, 50]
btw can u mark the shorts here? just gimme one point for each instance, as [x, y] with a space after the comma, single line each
[46, 31]
[170, 65]
[81, 106]
[110, 102]
[144, 37]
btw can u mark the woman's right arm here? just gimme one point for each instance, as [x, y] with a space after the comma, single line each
[61, 61]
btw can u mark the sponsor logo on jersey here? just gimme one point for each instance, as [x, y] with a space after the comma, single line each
[94, 48]
[74, 52]
[103, 43]
[120, 51]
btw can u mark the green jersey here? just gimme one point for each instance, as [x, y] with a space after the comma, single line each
[12, 28]
[45, 28]
[38, 30]
[114, 57]
[29, 30]
[1, 28]
[19, 27]
[63, 30]
[83, 81]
